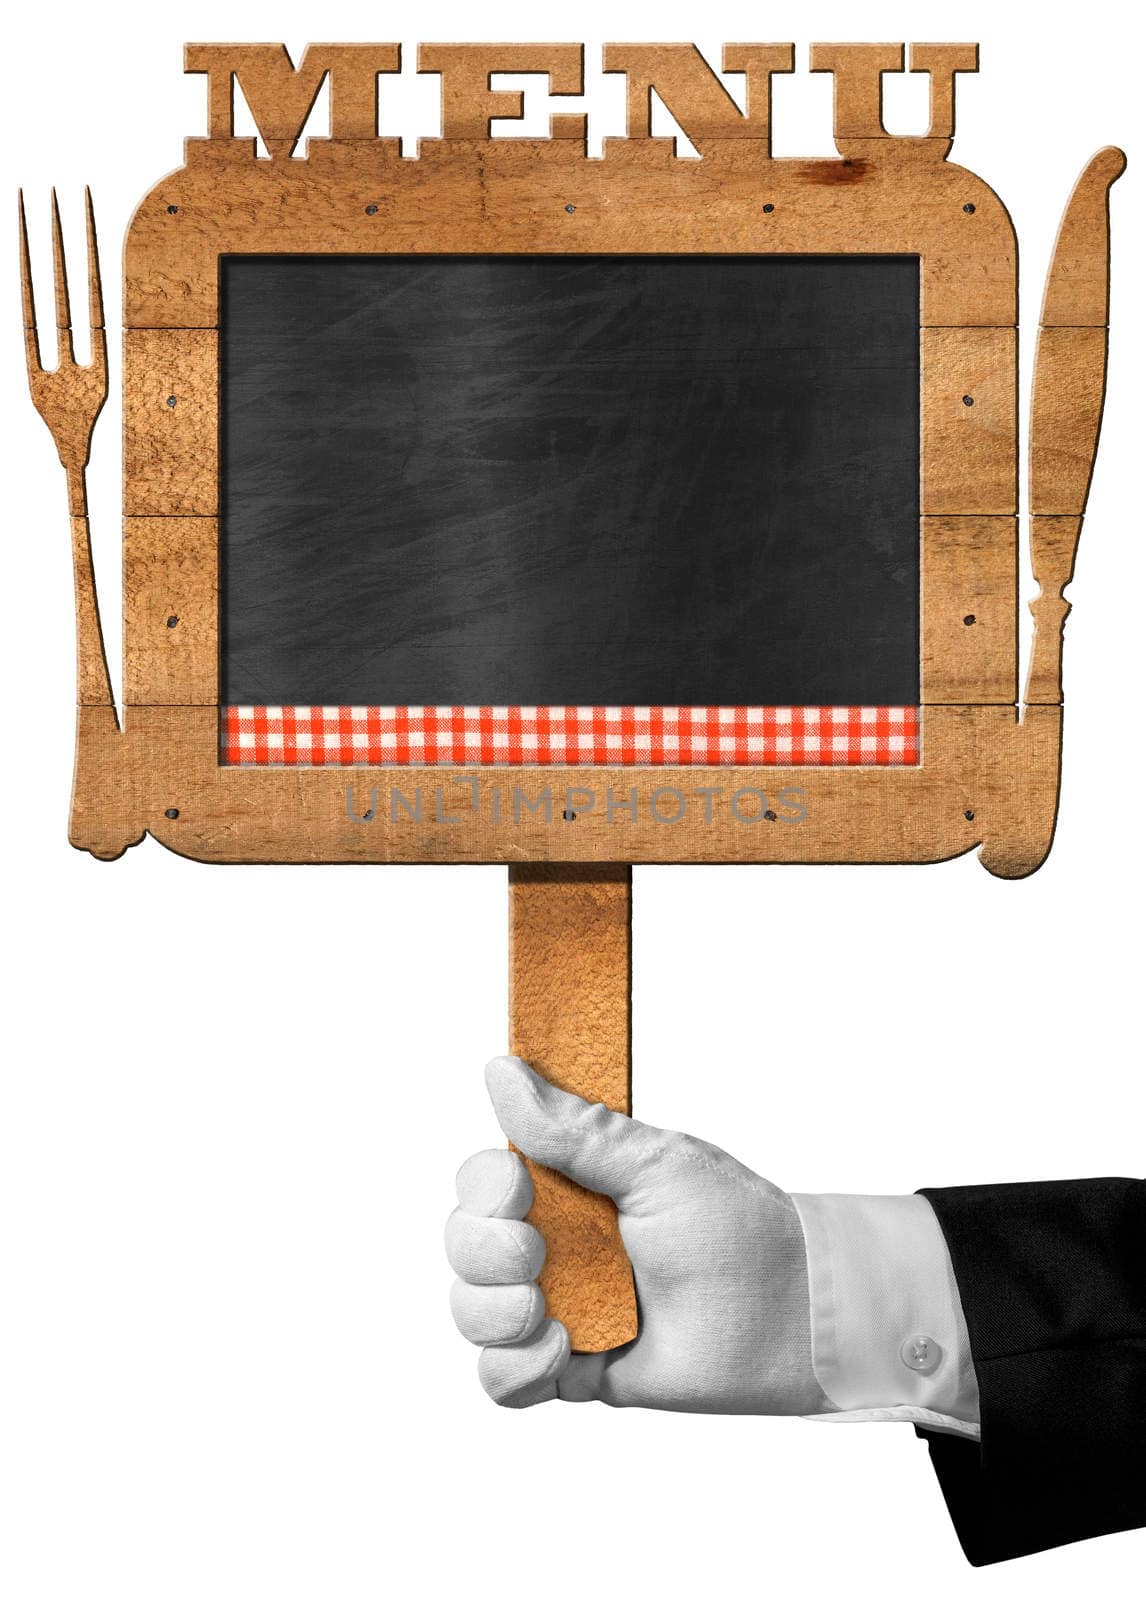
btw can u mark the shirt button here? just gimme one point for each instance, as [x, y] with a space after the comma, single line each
[921, 1353]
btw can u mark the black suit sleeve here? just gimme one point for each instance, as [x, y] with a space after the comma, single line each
[1052, 1277]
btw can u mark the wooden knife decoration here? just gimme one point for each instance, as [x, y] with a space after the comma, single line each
[506, 505]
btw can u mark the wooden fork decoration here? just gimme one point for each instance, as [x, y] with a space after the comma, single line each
[70, 398]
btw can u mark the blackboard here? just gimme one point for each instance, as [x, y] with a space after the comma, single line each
[507, 480]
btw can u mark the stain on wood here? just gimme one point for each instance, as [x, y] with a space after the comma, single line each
[511, 195]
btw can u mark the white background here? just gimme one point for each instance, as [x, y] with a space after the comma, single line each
[235, 1099]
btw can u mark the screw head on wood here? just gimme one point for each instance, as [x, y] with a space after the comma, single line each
[968, 400]
[171, 401]
[969, 620]
[768, 207]
[769, 816]
[371, 211]
[970, 815]
[969, 209]
[172, 210]
[173, 622]
[171, 813]
[570, 209]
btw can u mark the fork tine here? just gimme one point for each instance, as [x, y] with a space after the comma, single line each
[31, 338]
[60, 274]
[95, 291]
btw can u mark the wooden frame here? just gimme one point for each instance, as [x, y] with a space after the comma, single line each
[987, 775]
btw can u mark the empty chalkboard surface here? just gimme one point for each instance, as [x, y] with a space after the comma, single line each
[506, 480]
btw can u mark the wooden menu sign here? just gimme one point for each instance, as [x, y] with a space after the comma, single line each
[504, 504]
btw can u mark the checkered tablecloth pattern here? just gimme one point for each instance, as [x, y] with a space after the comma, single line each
[538, 736]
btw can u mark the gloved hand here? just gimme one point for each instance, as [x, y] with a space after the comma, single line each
[717, 1253]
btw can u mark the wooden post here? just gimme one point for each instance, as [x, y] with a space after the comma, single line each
[570, 1019]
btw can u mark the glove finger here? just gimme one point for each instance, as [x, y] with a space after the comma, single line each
[494, 1183]
[596, 1147]
[520, 1375]
[496, 1313]
[493, 1250]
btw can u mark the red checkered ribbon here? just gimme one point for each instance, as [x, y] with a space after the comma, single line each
[565, 736]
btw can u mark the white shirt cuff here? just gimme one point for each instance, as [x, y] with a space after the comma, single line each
[889, 1343]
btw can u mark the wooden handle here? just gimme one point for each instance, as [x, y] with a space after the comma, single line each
[569, 1017]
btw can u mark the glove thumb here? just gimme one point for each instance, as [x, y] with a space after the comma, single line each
[598, 1148]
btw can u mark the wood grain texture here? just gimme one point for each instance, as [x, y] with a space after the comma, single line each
[170, 611]
[70, 397]
[977, 758]
[281, 96]
[1066, 415]
[942, 62]
[1078, 283]
[969, 638]
[93, 681]
[1054, 546]
[692, 92]
[970, 421]
[569, 1007]
[858, 93]
[857, 87]
[1066, 409]
[170, 422]
[513, 195]
[469, 105]
[108, 811]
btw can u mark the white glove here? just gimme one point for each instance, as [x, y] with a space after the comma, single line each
[717, 1253]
